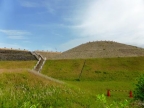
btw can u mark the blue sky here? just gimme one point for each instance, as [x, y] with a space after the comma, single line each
[58, 25]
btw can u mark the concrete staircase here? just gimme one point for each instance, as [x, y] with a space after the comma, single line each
[40, 63]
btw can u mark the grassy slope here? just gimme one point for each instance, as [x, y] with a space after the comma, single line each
[17, 64]
[63, 69]
[21, 89]
[98, 74]
[96, 69]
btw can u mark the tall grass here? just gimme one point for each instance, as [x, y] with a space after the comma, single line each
[25, 90]
[18, 90]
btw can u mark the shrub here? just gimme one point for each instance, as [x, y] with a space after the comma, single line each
[139, 90]
[115, 104]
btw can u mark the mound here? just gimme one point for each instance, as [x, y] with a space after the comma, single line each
[12, 55]
[101, 49]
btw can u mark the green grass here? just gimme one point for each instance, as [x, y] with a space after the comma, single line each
[99, 87]
[99, 74]
[108, 69]
[63, 69]
[23, 88]
[17, 64]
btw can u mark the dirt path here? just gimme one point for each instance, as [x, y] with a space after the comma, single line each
[46, 77]
[13, 70]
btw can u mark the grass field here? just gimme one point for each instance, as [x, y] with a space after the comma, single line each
[25, 90]
[108, 69]
[98, 75]
[21, 89]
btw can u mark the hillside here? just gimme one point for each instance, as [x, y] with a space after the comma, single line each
[12, 55]
[99, 74]
[98, 69]
[101, 49]
[20, 88]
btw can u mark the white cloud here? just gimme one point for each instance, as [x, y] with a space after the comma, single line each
[16, 37]
[110, 16]
[117, 20]
[15, 34]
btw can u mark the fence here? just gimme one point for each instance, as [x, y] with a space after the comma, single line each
[130, 92]
[13, 49]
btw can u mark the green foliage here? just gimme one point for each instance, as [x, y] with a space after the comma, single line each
[139, 90]
[103, 103]
[28, 105]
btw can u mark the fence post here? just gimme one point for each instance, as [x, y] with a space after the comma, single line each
[130, 94]
[108, 93]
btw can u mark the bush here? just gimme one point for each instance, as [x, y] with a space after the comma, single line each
[139, 90]
[115, 104]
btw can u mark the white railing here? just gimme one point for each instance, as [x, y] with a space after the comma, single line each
[37, 63]
[39, 57]
[33, 53]
[42, 65]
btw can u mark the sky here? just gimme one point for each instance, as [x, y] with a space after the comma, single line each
[59, 25]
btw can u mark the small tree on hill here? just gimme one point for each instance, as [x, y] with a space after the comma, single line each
[139, 90]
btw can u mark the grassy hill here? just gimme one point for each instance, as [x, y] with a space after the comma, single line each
[22, 89]
[101, 49]
[99, 69]
[99, 74]
[85, 79]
